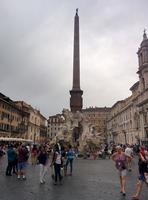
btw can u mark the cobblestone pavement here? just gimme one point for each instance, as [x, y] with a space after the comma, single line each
[91, 180]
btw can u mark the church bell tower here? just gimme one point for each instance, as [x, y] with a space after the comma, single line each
[143, 63]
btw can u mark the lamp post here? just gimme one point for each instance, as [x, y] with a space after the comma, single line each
[34, 139]
[10, 128]
[125, 136]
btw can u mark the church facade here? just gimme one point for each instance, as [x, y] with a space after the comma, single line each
[128, 121]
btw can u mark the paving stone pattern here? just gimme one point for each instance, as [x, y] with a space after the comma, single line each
[91, 180]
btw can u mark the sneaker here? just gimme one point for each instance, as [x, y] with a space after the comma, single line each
[41, 182]
[24, 177]
[18, 176]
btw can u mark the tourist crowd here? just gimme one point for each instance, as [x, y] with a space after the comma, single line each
[59, 157]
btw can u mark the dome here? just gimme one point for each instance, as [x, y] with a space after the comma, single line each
[144, 43]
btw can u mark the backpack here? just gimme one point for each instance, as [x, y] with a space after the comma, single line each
[70, 154]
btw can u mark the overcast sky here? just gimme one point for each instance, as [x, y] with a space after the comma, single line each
[36, 50]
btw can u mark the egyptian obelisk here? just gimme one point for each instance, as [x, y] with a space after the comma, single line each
[76, 101]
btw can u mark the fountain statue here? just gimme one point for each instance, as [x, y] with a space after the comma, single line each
[77, 130]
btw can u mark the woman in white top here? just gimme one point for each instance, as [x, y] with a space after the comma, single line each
[57, 162]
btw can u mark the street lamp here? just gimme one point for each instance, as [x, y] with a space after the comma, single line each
[34, 139]
[124, 132]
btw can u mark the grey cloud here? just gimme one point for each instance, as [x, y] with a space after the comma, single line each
[36, 49]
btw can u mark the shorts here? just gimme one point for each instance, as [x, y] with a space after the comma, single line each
[123, 173]
[22, 165]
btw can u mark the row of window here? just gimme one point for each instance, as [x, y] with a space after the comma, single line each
[34, 129]
[7, 127]
[126, 116]
[55, 128]
[126, 125]
[97, 116]
[129, 138]
[52, 134]
[55, 120]
[9, 108]
[4, 115]
[5, 106]
[35, 119]
[101, 122]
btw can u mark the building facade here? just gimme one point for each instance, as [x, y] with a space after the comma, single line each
[128, 122]
[55, 124]
[37, 123]
[98, 116]
[13, 121]
[43, 128]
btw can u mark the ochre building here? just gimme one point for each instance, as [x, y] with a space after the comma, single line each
[37, 123]
[20, 120]
[13, 121]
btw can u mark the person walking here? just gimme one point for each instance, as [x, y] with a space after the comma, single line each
[120, 160]
[64, 160]
[143, 172]
[11, 154]
[34, 153]
[129, 153]
[106, 151]
[76, 152]
[15, 163]
[57, 163]
[43, 160]
[22, 161]
[70, 157]
[2, 152]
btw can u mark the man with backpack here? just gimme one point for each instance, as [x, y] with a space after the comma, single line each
[70, 157]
